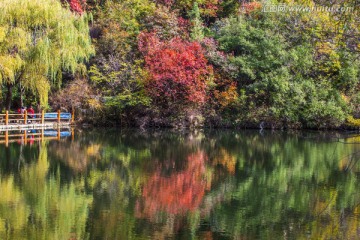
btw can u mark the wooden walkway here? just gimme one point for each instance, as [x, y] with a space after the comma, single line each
[25, 121]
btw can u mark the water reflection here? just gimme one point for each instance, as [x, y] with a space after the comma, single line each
[159, 185]
[30, 136]
[176, 194]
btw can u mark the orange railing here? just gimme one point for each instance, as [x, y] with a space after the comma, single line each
[24, 137]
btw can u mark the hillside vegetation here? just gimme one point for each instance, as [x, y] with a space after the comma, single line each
[167, 63]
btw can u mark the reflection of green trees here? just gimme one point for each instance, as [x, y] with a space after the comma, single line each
[251, 186]
[279, 184]
[35, 205]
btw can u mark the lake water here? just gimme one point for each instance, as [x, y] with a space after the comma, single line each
[112, 184]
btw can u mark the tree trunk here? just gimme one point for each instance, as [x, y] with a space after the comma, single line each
[21, 89]
[8, 96]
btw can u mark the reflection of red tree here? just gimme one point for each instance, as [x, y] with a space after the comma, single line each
[177, 194]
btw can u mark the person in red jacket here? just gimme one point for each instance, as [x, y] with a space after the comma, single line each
[30, 112]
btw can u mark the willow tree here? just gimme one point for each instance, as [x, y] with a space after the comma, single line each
[39, 39]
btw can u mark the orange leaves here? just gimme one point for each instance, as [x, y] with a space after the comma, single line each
[250, 7]
[228, 96]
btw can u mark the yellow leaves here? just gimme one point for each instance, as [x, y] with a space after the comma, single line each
[13, 204]
[331, 59]
[353, 122]
[357, 210]
[2, 225]
[36, 173]
[329, 222]
[9, 65]
[325, 48]
[228, 96]
[18, 38]
[43, 88]
[345, 98]
[3, 31]
[49, 39]
[94, 104]
[93, 150]
[8, 191]
[227, 160]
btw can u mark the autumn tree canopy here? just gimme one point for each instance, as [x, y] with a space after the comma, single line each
[166, 63]
[178, 70]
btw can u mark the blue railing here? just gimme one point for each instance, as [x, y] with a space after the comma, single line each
[55, 115]
[54, 133]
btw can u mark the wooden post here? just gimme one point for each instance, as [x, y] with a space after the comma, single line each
[25, 117]
[58, 117]
[7, 118]
[73, 115]
[6, 138]
[72, 134]
[25, 137]
[42, 135]
[58, 134]
[42, 117]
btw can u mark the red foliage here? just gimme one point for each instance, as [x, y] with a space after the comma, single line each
[183, 23]
[165, 2]
[177, 68]
[77, 6]
[211, 8]
[177, 194]
[250, 7]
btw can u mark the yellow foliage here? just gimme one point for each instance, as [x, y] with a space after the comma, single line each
[351, 121]
[9, 65]
[13, 203]
[228, 96]
[8, 192]
[94, 104]
[3, 31]
[2, 225]
[93, 150]
[353, 139]
[332, 58]
[46, 40]
[227, 160]
[345, 98]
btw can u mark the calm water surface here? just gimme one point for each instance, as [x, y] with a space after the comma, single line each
[112, 184]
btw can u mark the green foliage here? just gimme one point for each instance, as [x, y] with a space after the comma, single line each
[197, 32]
[287, 81]
[38, 40]
[284, 69]
[42, 197]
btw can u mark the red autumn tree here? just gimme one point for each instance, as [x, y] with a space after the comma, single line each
[77, 6]
[178, 69]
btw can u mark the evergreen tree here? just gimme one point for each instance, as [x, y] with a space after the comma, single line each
[197, 31]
